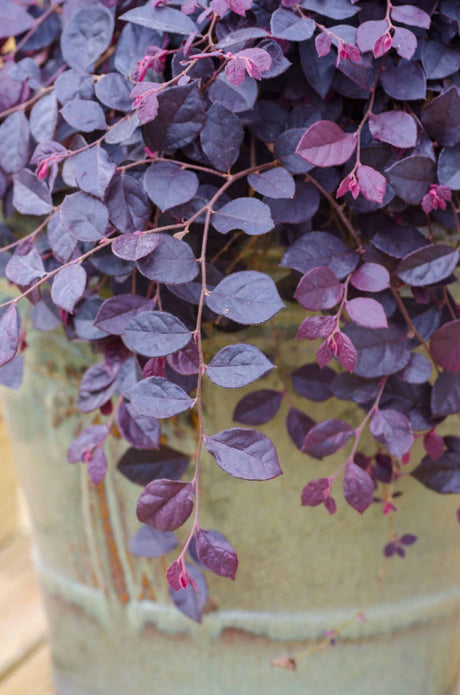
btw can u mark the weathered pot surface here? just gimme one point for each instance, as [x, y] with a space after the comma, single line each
[114, 630]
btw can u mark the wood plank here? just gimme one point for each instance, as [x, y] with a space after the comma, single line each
[22, 625]
[33, 677]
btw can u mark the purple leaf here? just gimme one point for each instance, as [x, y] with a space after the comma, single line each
[345, 351]
[335, 9]
[434, 445]
[349, 387]
[84, 320]
[319, 289]
[82, 446]
[181, 116]
[113, 90]
[312, 382]
[127, 203]
[442, 475]
[157, 397]
[162, 19]
[300, 209]
[405, 42]
[14, 142]
[258, 407]
[439, 61]
[325, 144]
[14, 19]
[298, 424]
[84, 115]
[370, 277]
[238, 365]
[441, 117]
[30, 195]
[396, 245]
[172, 261]
[412, 15]
[249, 214]
[191, 598]
[392, 429]
[143, 466]
[285, 150]
[116, 312]
[369, 32]
[367, 312]
[287, 25]
[358, 487]
[247, 297]
[11, 373]
[97, 386]
[62, 244]
[326, 438]
[428, 265]
[148, 542]
[156, 334]
[221, 137]
[445, 397]
[168, 185]
[445, 346]
[405, 82]
[25, 266]
[411, 178]
[418, 370]
[320, 249]
[185, 361]
[319, 72]
[372, 185]
[408, 539]
[316, 492]
[142, 432]
[86, 36]
[9, 334]
[97, 466]
[216, 553]
[94, 170]
[73, 83]
[68, 286]
[274, 183]
[145, 101]
[316, 327]
[84, 217]
[132, 247]
[165, 504]
[449, 167]
[380, 351]
[245, 454]
[397, 128]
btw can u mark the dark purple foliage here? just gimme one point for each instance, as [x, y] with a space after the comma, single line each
[244, 454]
[215, 553]
[177, 170]
[165, 504]
[143, 466]
[358, 487]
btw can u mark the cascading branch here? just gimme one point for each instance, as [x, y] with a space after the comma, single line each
[149, 146]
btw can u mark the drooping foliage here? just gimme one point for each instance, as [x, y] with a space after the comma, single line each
[156, 152]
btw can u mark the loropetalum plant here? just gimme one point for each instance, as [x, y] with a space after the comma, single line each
[163, 151]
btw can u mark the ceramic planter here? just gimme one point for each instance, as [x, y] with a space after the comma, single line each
[114, 630]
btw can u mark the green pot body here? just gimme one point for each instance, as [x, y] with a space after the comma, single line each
[113, 628]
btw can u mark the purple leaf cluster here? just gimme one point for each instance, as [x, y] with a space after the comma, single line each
[183, 169]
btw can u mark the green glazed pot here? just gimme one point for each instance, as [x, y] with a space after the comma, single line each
[114, 630]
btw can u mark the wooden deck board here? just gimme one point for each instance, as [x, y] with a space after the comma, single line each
[22, 625]
[31, 677]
